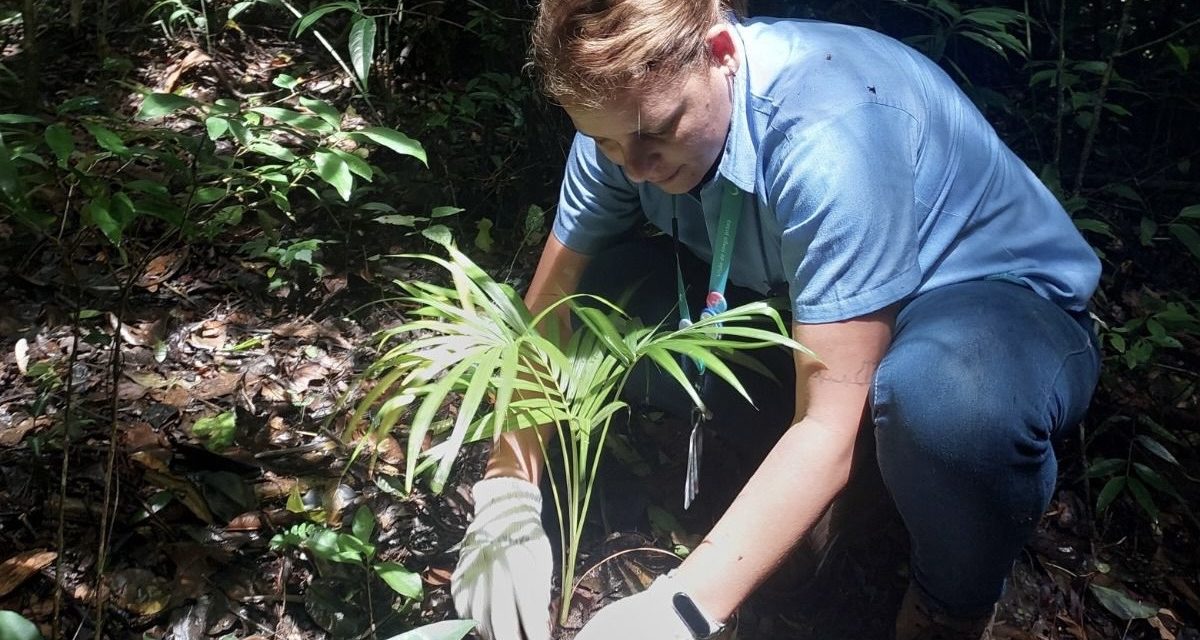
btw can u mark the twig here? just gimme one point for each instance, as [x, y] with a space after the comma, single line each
[1098, 109]
[1147, 45]
[1060, 101]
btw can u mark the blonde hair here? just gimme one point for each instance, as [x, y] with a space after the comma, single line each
[586, 51]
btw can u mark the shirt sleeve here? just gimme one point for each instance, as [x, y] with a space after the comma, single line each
[596, 203]
[842, 192]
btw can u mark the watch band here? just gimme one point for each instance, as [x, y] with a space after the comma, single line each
[699, 625]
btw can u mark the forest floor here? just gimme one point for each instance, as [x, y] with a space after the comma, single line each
[180, 534]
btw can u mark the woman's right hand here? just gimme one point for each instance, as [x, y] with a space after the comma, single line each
[503, 576]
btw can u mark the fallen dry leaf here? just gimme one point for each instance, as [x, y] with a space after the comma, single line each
[305, 374]
[19, 568]
[139, 591]
[222, 383]
[161, 268]
[210, 335]
[437, 576]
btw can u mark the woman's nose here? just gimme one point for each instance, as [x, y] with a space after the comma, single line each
[640, 162]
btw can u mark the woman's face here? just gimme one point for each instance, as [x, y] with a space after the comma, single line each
[669, 136]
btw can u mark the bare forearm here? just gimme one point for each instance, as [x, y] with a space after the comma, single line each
[783, 499]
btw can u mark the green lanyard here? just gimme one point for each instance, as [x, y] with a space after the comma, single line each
[722, 259]
[714, 303]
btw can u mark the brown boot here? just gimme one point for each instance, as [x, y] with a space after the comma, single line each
[918, 621]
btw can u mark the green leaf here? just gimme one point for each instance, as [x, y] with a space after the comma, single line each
[157, 105]
[1188, 236]
[357, 165]
[268, 148]
[395, 141]
[61, 142]
[324, 111]
[1104, 467]
[1142, 496]
[1095, 226]
[309, 19]
[362, 47]
[295, 119]
[216, 127]
[1121, 605]
[444, 630]
[1191, 212]
[1111, 490]
[401, 580]
[1146, 230]
[1182, 55]
[1122, 190]
[14, 626]
[442, 212]
[18, 118]
[98, 213]
[334, 170]
[1154, 479]
[1156, 447]
[284, 81]
[398, 220]
[438, 234]
[364, 523]
[107, 140]
[218, 431]
[483, 235]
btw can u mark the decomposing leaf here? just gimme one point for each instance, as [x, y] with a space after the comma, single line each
[221, 383]
[19, 568]
[305, 374]
[209, 335]
[1121, 604]
[139, 591]
[187, 493]
[161, 268]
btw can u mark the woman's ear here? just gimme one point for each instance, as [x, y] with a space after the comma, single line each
[722, 47]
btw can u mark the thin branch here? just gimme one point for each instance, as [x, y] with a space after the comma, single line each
[1098, 109]
[1147, 45]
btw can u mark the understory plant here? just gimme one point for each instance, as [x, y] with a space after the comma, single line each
[475, 345]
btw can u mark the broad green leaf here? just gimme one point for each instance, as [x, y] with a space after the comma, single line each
[309, 19]
[295, 119]
[438, 234]
[284, 81]
[97, 213]
[324, 110]
[1111, 490]
[1182, 55]
[362, 47]
[107, 140]
[1156, 447]
[1192, 212]
[1146, 230]
[334, 170]
[1095, 226]
[357, 165]
[216, 127]
[401, 580]
[364, 523]
[61, 142]
[1121, 605]
[1188, 236]
[14, 626]
[1142, 496]
[1154, 479]
[157, 105]
[217, 431]
[239, 7]
[1123, 190]
[1104, 467]
[395, 141]
[444, 630]
[268, 148]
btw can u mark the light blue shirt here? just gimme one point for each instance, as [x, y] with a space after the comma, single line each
[869, 178]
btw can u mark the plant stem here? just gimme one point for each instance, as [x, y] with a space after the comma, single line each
[1061, 100]
[1098, 109]
[333, 52]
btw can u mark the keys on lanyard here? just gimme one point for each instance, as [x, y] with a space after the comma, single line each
[691, 483]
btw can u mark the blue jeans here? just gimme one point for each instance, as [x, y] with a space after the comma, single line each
[979, 380]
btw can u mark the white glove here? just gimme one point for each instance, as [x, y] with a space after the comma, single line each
[649, 615]
[502, 580]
